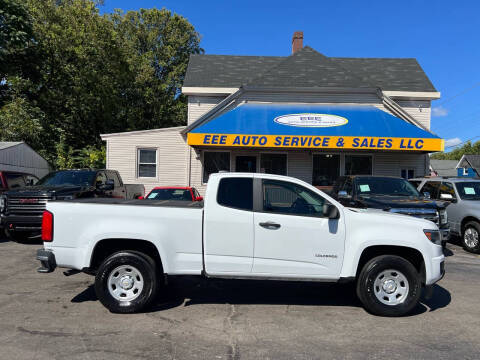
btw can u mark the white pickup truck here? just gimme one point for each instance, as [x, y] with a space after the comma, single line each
[250, 226]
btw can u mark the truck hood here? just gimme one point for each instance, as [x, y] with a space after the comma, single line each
[398, 202]
[381, 216]
[40, 190]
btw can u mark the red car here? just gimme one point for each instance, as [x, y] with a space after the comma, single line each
[182, 193]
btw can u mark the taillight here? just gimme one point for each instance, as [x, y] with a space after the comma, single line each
[47, 226]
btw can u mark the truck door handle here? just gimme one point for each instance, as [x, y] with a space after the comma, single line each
[270, 225]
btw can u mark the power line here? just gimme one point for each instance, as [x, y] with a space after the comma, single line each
[463, 92]
[463, 142]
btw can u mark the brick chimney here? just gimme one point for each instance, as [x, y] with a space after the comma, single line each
[297, 41]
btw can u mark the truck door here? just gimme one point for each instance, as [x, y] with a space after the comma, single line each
[292, 237]
[228, 226]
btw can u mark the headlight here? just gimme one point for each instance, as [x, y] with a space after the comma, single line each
[3, 203]
[434, 236]
[443, 216]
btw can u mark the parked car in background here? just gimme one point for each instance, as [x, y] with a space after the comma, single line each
[464, 209]
[184, 193]
[392, 194]
[11, 180]
[251, 225]
[21, 209]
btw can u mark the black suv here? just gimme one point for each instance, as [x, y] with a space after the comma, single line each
[393, 194]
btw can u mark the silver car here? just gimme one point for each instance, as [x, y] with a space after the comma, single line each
[463, 212]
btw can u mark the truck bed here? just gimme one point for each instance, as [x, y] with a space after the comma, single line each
[136, 202]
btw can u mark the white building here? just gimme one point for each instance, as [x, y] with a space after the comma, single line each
[305, 115]
[18, 156]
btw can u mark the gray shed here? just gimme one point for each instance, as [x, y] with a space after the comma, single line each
[18, 156]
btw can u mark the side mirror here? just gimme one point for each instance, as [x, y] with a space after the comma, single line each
[199, 198]
[446, 196]
[141, 198]
[330, 211]
[342, 194]
[426, 195]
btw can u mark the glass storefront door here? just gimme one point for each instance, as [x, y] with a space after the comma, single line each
[246, 164]
[326, 169]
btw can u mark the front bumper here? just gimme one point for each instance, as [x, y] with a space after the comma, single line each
[47, 260]
[32, 223]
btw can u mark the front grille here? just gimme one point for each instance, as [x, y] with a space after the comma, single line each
[27, 205]
[427, 214]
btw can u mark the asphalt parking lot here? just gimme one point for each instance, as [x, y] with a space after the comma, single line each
[56, 317]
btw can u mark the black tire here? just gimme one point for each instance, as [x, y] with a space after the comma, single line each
[141, 263]
[366, 285]
[468, 246]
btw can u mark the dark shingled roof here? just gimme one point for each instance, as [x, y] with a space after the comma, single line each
[306, 68]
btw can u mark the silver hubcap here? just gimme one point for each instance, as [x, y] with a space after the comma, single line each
[125, 283]
[391, 287]
[471, 237]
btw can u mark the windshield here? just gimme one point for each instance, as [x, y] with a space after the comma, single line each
[63, 178]
[170, 194]
[469, 190]
[366, 186]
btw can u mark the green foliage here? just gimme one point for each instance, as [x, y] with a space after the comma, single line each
[16, 32]
[89, 157]
[456, 154]
[82, 74]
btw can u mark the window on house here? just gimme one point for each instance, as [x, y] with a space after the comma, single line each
[326, 169]
[407, 173]
[358, 165]
[213, 162]
[147, 163]
[273, 164]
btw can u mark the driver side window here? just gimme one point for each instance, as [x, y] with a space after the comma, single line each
[282, 197]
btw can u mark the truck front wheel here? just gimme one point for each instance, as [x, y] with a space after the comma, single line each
[126, 282]
[389, 285]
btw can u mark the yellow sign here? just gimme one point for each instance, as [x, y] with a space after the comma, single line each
[317, 142]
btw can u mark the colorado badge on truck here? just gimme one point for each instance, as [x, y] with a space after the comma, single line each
[255, 226]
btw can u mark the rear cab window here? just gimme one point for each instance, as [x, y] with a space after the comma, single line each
[236, 193]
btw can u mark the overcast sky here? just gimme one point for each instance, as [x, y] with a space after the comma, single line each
[444, 36]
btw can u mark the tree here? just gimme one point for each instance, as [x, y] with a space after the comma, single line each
[456, 154]
[16, 33]
[82, 74]
[160, 45]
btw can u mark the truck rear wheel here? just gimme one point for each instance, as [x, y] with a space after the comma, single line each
[471, 237]
[389, 285]
[126, 282]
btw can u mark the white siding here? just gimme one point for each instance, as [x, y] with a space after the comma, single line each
[24, 159]
[199, 105]
[171, 156]
[390, 164]
[419, 110]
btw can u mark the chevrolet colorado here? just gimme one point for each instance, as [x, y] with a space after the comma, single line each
[250, 226]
